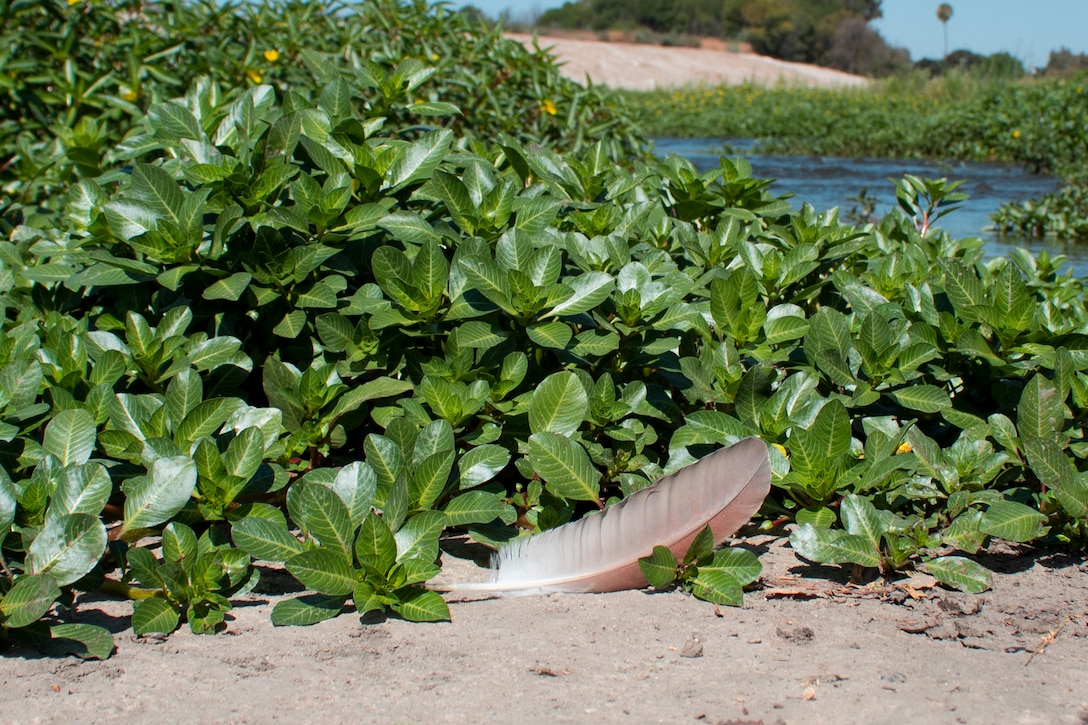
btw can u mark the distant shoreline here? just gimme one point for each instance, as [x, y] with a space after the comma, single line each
[637, 66]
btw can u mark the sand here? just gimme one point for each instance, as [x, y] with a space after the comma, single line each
[646, 67]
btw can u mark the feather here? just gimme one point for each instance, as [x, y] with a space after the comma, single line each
[600, 552]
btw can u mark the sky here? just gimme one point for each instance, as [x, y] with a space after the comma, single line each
[1027, 30]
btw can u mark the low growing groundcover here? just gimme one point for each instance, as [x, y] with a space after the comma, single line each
[325, 306]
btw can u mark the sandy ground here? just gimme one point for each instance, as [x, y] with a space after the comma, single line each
[808, 647]
[645, 67]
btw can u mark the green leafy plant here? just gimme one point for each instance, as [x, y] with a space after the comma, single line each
[347, 551]
[715, 576]
[196, 577]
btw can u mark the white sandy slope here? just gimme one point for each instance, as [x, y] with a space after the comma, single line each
[646, 67]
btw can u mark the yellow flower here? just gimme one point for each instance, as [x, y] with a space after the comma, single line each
[128, 94]
[254, 76]
[904, 447]
[271, 55]
[549, 107]
[1016, 133]
[74, 2]
[434, 56]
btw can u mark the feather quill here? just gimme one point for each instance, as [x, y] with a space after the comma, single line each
[600, 553]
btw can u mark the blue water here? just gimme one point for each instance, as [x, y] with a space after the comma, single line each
[828, 181]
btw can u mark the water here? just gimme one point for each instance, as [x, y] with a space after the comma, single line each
[827, 181]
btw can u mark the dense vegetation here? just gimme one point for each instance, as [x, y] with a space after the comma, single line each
[964, 116]
[281, 284]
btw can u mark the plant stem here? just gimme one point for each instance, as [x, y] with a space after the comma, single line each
[126, 590]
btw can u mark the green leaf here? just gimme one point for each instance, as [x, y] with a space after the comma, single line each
[327, 519]
[306, 610]
[383, 387]
[740, 564]
[481, 464]
[1013, 522]
[264, 539]
[418, 538]
[818, 447]
[205, 419]
[963, 533]
[430, 271]
[86, 641]
[80, 490]
[179, 545]
[387, 460]
[8, 499]
[375, 546]
[322, 570]
[28, 600]
[159, 495]
[144, 566]
[923, 398]
[356, 484]
[960, 573]
[184, 393]
[245, 454]
[833, 546]
[860, 518]
[70, 436]
[717, 587]
[1041, 412]
[821, 518]
[418, 160]
[489, 280]
[659, 568]
[565, 466]
[702, 546]
[157, 191]
[366, 599]
[410, 228]
[455, 196]
[154, 616]
[559, 405]
[420, 605]
[336, 332]
[290, 326]
[473, 507]
[1056, 472]
[555, 335]
[229, 288]
[781, 327]
[430, 478]
[67, 547]
[534, 215]
[590, 290]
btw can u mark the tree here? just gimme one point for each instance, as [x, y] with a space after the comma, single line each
[944, 13]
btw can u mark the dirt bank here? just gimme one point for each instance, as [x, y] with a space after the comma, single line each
[645, 67]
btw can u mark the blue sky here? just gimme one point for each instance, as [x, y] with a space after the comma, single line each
[1028, 30]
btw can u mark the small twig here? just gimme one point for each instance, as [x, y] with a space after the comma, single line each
[1046, 641]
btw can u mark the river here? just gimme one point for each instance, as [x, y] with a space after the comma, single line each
[827, 181]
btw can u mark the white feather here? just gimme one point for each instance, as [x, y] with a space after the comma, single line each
[600, 552]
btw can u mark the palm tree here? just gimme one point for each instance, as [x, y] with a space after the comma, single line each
[944, 12]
